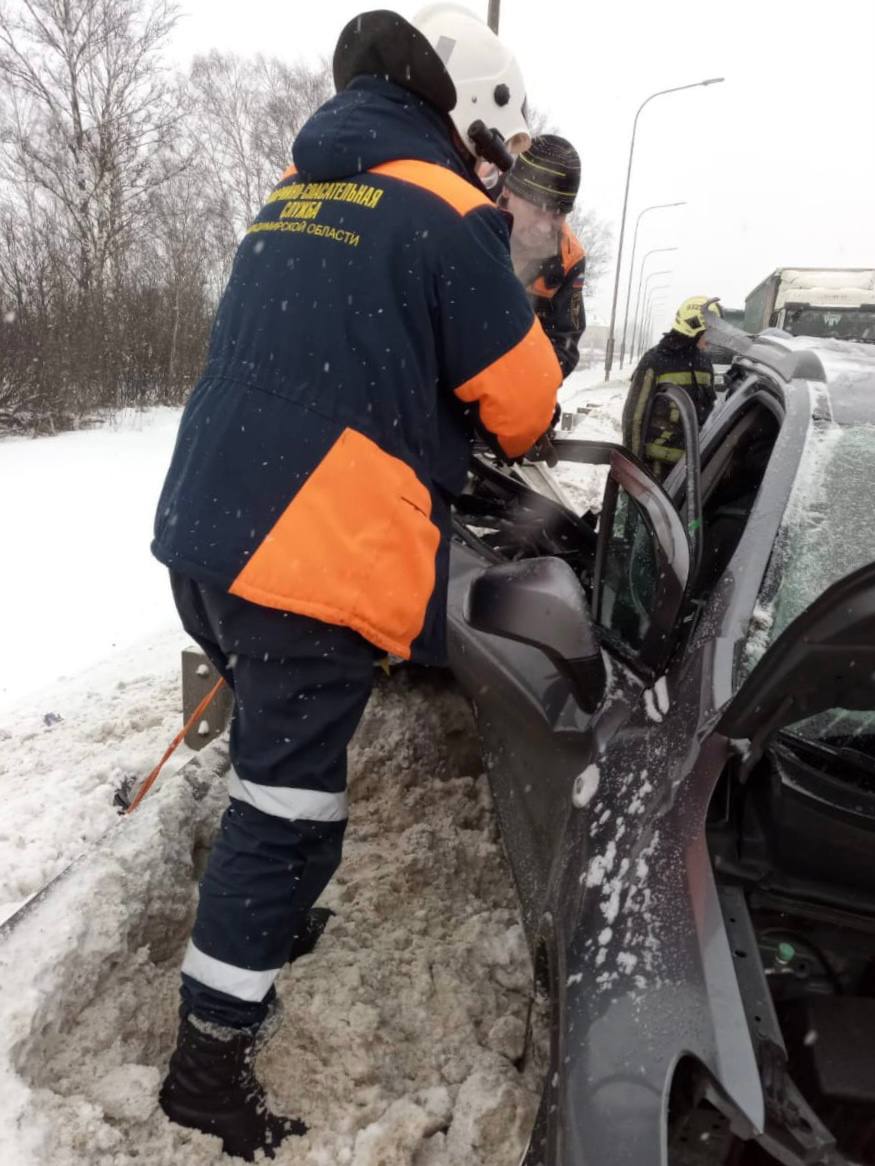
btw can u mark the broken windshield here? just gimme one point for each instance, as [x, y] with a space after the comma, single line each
[841, 323]
[828, 532]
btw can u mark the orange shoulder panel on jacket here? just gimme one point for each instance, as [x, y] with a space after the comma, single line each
[462, 196]
[516, 394]
[572, 250]
[355, 546]
[539, 288]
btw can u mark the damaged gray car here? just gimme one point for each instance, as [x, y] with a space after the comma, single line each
[676, 704]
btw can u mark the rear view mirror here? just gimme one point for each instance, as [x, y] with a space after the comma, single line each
[825, 659]
[540, 602]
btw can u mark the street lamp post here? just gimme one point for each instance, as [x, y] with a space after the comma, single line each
[639, 320]
[653, 304]
[645, 307]
[636, 319]
[656, 207]
[609, 354]
[653, 299]
[493, 14]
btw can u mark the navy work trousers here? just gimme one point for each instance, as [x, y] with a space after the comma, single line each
[300, 688]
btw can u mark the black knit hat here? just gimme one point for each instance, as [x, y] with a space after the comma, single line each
[547, 174]
[383, 44]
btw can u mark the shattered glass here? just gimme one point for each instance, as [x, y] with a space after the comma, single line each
[829, 532]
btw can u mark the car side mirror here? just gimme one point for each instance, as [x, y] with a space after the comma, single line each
[541, 602]
[825, 659]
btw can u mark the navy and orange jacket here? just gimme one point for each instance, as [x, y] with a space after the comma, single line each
[371, 323]
[556, 292]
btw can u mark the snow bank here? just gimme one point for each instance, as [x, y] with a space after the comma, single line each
[76, 523]
[63, 754]
[86, 980]
[406, 1039]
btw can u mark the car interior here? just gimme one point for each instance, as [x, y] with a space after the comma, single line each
[731, 478]
[505, 521]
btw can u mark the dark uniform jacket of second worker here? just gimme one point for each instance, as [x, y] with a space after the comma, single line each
[372, 318]
[651, 424]
[556, 292]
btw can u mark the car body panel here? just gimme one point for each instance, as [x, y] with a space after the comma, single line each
[618, 895]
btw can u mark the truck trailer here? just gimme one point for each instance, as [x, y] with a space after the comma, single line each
[815, 301]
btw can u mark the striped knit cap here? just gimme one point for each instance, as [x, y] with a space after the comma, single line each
[547, 174]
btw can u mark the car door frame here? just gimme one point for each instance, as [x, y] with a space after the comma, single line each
[670, 542]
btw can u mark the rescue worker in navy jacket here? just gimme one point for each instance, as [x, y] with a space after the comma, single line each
[549, 259]
[651, 423]
[372, 324]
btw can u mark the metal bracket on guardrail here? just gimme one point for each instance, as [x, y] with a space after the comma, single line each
[198, 677]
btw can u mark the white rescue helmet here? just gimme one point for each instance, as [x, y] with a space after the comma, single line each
[489, 82]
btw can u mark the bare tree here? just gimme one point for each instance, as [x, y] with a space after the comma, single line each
[87, 114]
[597, 237]
[247, 112]
[173, 259]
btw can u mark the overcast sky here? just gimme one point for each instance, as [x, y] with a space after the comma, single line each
[777, 164]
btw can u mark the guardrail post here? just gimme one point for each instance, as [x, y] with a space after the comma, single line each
[198, 677]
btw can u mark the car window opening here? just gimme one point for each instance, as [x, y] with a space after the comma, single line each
[731, 481]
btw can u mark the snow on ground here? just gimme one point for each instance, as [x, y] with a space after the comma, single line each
[57, 779]
[407, 1039]
[89, 672]
[75, 528]
[599, 407]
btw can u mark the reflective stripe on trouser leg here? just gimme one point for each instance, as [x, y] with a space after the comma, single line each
[264, 873]
[311, 805]
[226, 978]
[281, 836]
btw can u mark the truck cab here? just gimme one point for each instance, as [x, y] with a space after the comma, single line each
[819, 302]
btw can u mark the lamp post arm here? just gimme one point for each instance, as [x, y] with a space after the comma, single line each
[647, 341]
[641, 284]
[629, 287]
[609, 353]
[661, 206]
[646, 333]
[640, 316]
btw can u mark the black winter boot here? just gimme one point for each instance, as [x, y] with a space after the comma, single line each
[211, 1086]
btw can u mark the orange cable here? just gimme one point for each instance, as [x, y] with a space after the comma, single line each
[171, 748]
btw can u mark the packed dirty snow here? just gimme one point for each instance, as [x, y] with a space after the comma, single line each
[64, 752]
[407, 1035]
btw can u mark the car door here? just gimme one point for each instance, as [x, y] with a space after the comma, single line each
[537, 741]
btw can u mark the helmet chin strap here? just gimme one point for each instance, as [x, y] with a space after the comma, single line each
[490, 145]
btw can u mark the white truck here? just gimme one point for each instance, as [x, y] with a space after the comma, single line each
[815, 301]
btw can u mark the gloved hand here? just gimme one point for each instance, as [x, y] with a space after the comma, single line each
[543, 451]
